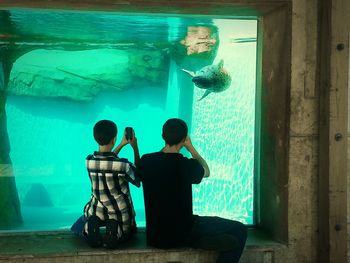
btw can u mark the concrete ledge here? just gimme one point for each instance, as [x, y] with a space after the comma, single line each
[64, 247]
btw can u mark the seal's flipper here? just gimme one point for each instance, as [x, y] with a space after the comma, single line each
[221, 63]
[207, 92]
[189, 72]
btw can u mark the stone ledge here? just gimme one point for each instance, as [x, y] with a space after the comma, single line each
[54, 247]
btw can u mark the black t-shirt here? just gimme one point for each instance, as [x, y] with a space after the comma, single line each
[167, 180]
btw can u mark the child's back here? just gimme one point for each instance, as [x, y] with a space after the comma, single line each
[110, 204]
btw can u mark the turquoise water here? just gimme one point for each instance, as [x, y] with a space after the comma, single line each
[50, 136]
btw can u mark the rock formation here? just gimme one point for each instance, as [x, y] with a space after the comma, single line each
[10, 214]
[198, 47]
[81, 75]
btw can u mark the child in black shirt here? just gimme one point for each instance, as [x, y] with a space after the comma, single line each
[167, 177]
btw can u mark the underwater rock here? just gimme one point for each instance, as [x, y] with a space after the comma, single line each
[152, 66]
[37, 196]
[81, 75]
[198, 47]
[9, 202]
[10, 214]
[4, 139]
[199, 39]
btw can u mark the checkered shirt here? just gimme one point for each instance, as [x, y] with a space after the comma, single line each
[110, 197]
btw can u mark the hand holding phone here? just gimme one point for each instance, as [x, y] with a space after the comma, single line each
[128, 133]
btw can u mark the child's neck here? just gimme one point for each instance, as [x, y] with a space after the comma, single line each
[171, 149]
[105, 148]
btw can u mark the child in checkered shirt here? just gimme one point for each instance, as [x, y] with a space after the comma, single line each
[110, 205]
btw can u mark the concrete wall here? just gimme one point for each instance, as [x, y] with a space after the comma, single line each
[303, 141]
[348, 173]
[302, 123]
[303, 138]
[306, 123]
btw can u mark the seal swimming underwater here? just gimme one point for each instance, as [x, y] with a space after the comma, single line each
[212, 78]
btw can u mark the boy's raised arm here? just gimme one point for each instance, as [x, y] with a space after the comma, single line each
[195, 155]
[131, 175]
[122, 143]
[135, 147]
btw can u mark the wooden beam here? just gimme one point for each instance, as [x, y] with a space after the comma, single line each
[190, 7]
[333, 59]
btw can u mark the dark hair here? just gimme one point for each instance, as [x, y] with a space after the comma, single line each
[174, 131]
[105, 131]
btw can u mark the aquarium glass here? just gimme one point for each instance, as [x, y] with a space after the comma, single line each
[76, 68]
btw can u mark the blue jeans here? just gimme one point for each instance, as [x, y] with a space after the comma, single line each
[78, 227]
[215, 233]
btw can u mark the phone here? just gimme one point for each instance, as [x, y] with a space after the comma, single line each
[128, 133]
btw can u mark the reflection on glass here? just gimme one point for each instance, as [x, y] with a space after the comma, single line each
[129, 70]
